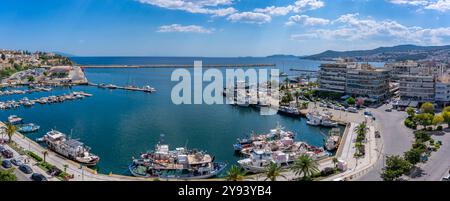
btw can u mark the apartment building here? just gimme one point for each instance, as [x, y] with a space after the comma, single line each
[332, 77]
[354, 79]
[442, 89]
[419, 88]
[367, 81]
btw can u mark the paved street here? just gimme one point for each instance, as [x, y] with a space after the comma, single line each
[396, 138]
[438, 164]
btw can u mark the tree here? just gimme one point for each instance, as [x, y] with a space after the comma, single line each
[427, 108]
[424, 119]
[411, 111]
[446, 109]
[273, 171]
[446, 116]
[413, 156]
[297, 95]
[7, 175]
[335, 161]
[45, 153]
[396, 166]
[235, 173]
[438, 120]
[10, 130]
[30, 79]
[351, 101]
[306, 166]
[65, 168]
[361, 130]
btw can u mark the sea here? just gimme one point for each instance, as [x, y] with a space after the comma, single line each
[119, 125]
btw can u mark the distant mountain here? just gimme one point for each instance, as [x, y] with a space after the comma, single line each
[282, 56]
[401, 52]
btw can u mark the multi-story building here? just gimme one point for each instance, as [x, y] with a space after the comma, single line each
[332, 77]
[354, 79]
[367, 81]
[442, 89]
[419, 88]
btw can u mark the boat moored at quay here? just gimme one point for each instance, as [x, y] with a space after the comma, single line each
[274, 134]
[70, 148]
[180, 164]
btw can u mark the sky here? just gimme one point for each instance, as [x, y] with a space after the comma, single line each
[219, 28]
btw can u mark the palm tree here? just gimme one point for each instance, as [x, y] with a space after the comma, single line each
[297, 95]
[10, 130]
[45, 153]
[273, 171]
[305, 165]
[335, 161]
[65, 168]
[235, 174]
[361, 130]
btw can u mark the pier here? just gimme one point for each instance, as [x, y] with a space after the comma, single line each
[147, 89]
[179, 66]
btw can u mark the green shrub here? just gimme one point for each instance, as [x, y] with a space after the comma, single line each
[410, 123]
[34, 156]
[439, 128]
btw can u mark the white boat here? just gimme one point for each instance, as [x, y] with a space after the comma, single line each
[14, 119]
[313, 119]
[317, 119]
[70, 148]
[333, 139]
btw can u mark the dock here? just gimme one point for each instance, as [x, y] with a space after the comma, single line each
[179, 66]
[129, 88]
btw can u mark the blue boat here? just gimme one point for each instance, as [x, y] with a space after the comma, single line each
[29, 128]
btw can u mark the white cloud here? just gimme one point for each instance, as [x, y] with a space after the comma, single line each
[298, 6]
[351, 27]
[184, 29]
[439, 5]
[213, 7]
[250, 17]
[306, 20]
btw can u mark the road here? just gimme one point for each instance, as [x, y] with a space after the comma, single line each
[438, 164]
[396, 138]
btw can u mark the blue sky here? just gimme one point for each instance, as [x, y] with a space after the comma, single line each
[219, 27]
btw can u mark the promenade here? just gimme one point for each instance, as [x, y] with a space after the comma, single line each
[80, 173]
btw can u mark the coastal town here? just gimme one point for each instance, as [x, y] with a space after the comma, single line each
[384, 123]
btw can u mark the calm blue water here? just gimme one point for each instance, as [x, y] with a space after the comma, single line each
[121, 124]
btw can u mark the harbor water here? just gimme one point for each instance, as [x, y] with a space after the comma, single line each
[119, 124]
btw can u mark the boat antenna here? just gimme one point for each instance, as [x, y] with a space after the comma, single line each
[185, 145]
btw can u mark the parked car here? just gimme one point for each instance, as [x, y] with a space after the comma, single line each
[446, 178]
[2, 148]
[352, 110]
[54, 171]
[7, 153]
[6, 164]
[38, 177]
[25, 169]
[388, 110]
[17, 161]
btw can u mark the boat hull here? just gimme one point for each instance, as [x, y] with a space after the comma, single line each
[221, 167]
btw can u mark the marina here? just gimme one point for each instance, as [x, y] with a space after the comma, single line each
[14, 104]
[139, 119]
[145, 88]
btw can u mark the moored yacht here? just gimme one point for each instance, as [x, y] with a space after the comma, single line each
[176, 164]
[70, 148]
[14, 119]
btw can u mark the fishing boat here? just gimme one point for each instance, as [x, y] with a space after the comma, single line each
[333, 139]
[258, 159]
[317, 119]
[274, 134]
[313, 119]
[289, 111]
[176, 164]
[29, 128]
[148, 89]
[70, 148]
[14, 119]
